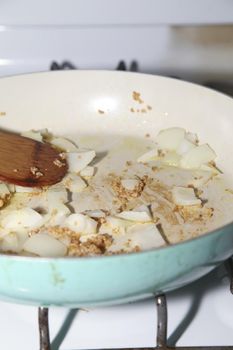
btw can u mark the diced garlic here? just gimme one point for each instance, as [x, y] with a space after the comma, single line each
[88, 171]
[139, 216]
[184, 196]
[148, 156]
[74, 183]
[95, 213]
[44, 245]
[77, 161]
[184, 147]
[21, 219]
[171, 158]
[64, 144]
[169, 139]
[197, 156]
[191, 137]
[81, 223]
[130, 184]
[31, 134]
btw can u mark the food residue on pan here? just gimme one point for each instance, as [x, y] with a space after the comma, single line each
[126, 201]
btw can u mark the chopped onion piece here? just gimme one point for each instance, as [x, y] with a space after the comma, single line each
[95, 213]
[77, 161]
[191, 137]
[197, 156]
[57, 214]
[22, 218]
[171, 158]
[184, 147]
[81, 223]
[10, 243]
[169, 139]
[35, 135]
[184, 196]
[148, 156]
[44, 245]
[64, 144]
[74, 183]
[114, 226]
[4, 190]
[55, 195]
[88, 171]
[145, 236]
[139, 216]
[23, 189]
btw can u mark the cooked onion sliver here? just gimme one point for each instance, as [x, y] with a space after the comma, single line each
[169, 139]
[35, 135]
[56, 195]
[171, 158]
[148, 156]
[44, 245]
[4, 190]
[81, 223]
[138, 216]
[114, 226]
[10, 243]
[95, 213]
[22, 218]
[74, 183]
[146, 236]
[63, 144]
[57, 214]
[184, 147]
[191, 137]
[197, 156]
[77, 161]
[184, 196]
[88, 171]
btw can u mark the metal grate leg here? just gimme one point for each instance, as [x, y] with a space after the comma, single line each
[44, 328]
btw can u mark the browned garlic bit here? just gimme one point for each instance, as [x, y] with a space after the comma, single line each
[153, 199]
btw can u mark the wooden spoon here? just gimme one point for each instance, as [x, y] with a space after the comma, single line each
[28, 162]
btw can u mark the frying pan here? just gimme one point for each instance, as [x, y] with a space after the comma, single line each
[77, 103]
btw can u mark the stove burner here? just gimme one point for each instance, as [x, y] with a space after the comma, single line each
[65, 65]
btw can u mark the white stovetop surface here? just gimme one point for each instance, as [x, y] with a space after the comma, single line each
[199, 314]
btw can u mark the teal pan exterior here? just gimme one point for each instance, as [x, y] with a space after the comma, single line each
[110, 280]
